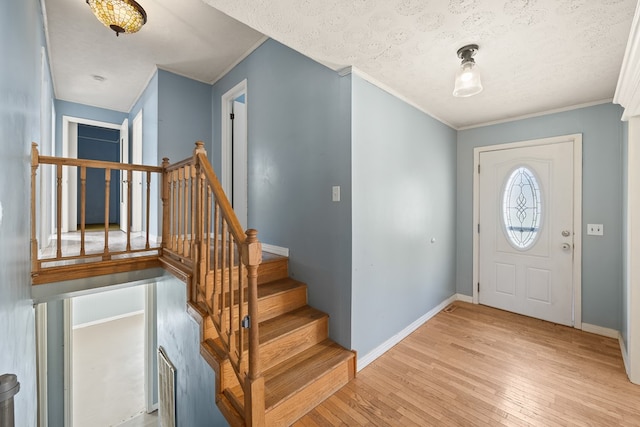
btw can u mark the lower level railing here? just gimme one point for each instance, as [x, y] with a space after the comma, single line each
[68, 247]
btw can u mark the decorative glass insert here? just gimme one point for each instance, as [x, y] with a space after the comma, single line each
[522, 208]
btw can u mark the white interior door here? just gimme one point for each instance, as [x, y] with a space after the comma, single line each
[240, 160]
[526, 231]
[124, 158]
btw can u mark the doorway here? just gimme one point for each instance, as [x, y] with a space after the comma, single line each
[235, 149]
[98, 143]
[527, 215]
[109, 357]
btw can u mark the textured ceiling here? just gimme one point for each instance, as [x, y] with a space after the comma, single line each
[535, 55]
[186, 37]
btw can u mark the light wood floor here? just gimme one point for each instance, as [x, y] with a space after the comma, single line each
[478, 366]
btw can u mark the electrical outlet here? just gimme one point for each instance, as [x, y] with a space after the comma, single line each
[595, 229]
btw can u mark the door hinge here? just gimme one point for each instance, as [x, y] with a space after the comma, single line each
[478, 228]
[246, 322]
[478, 287]
[232, 116]
[478, 167]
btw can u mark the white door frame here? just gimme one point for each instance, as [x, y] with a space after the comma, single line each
[226, 155]
[577, 213]
[632, 356]
[70, 180]
[124, 158]
[136, 158]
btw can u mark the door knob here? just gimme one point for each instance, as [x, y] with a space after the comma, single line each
[566, 246]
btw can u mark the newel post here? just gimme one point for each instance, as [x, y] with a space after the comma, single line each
[34, 240]
[166, 213]
[254, 382]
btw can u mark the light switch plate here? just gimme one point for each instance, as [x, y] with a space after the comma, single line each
[335, 193]
[595, 229]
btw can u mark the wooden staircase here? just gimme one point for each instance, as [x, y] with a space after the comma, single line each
[301, 365]
[270, 350]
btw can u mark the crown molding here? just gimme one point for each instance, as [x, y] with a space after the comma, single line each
[628, 88]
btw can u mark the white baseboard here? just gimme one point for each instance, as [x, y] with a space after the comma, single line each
[464, 298]
[599, 330]
[276, 250]
[625, 356]
[108, 319]
[385, 346]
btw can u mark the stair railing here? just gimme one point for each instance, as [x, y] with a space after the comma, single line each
[65, 255]
[202, 233]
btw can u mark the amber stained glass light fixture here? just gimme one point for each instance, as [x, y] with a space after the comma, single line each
[122, 16]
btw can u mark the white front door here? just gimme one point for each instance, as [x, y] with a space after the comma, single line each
[124, 187]
[526, 230]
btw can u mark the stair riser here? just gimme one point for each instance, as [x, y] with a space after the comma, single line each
[282, 348]
[309, 397]
[267, 272]
[268, 308]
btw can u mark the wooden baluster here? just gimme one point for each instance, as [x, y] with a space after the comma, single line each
[231, 297]
[129, 207]
[59, 211]
[241, 331]
[185, 211]
[166, 206]
[208, 231]
[254, 382]
[223, 269]
[200, 232]
[34, 240]
[107, 189]
[146, 246]
[83, 207]
[216, 254]
[194, 237]
[174, 216]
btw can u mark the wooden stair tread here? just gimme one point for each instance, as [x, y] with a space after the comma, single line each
[268, 289]
[278, 286]
[285, 324]
[293, 375]
[288, 322]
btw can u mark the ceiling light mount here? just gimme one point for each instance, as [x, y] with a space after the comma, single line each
[468, 76]
[122, 16]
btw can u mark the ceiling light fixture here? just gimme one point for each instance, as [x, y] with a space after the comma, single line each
[468, 76]
[122, 16]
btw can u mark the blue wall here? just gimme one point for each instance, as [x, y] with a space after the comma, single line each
[602, 181]
[21, 40]
[179, 335]
[298, 148]
[184, 115]
[403, 196]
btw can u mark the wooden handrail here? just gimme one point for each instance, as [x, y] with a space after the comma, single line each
[97, 164]
[225, 206]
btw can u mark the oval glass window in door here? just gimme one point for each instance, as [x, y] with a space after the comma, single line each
[522, 208]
